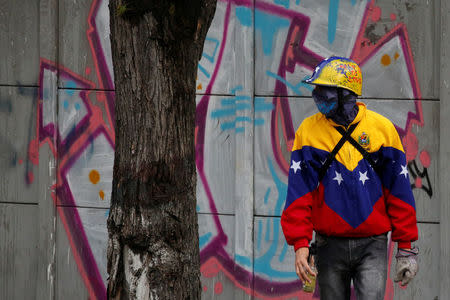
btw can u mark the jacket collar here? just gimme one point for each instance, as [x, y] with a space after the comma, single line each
[361, 113]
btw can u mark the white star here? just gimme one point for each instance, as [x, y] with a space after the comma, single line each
[404, 171]
[338, 177]
[363, 177]
[296, 166]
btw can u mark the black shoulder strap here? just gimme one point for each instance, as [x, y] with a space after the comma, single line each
[345, 135]
[361, 150]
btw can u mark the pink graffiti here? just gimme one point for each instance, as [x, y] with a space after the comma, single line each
[376, 13]
[425, 159]
[214, 258]
[281, 115]
[218, 288]
[67, 150]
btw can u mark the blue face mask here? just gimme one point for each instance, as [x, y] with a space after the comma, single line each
[327, 101]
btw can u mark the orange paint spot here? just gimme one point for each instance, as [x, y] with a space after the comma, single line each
[101, 194]
[385, 60]
[199, 87]
[393, 17]
[94, 176]
[376, 14]
[396, 55]
[87, 71]
[20, 161]
[418, 182]
[195, 135]
[218, 288]
[205, 288]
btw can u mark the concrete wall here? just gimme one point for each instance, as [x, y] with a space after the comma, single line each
[57, 137]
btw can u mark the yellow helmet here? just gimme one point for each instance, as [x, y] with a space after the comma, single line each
[339, 72]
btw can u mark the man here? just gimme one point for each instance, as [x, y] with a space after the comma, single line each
[348, 181]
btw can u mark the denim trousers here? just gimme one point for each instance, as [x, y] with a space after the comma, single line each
[341, 260]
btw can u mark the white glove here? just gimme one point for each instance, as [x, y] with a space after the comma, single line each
[407, 266]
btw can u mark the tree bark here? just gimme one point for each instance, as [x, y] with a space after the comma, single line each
[153, 250]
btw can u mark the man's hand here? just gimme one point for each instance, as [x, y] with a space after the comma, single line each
[301, 264]
[406, 267]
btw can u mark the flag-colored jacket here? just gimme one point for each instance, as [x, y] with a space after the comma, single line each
[352, 200]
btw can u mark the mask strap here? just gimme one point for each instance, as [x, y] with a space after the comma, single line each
[340, 97]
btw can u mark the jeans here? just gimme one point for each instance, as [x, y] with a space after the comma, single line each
[340, 260]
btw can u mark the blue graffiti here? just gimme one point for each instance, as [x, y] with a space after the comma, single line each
[261, 105]
[204, 71]
[204, 239]
[259, 238]
[267, 24]
[211, 57]
[236, 89]
[243, 260]
[284, 3]
[66, 105]
[305, 85]
[71, 85]
[266, 196]
[332, 20]
[294, 88]
[231, 106]
[267, 237]
[227, 112]
[262, 263]
[283, 252]
[244, 15]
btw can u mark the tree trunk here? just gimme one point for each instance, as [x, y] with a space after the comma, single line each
[153, 250]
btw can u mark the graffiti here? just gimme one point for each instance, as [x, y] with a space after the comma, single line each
[83, 145]
[270, 278]
[418, 176]
[290, 38]
[82, 141]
